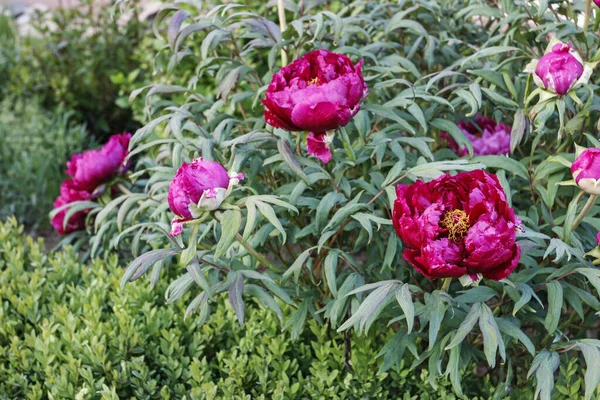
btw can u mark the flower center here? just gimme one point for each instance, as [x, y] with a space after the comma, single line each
[457, 224]
[314, 81]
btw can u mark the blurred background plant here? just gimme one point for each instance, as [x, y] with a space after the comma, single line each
[68, 56]
[36, 143]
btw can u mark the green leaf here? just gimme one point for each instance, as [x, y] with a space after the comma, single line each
[290, 158]
[592, 373]
[370, 308]
[195, 271]
[296, 321]
[265, 299]
[268, 212]
[325, 206]
[454, 131]
[453, 368]
[505, 163]
[297, 265]
[190, 251]
[436, 309]
[555, 302]
[230, 225]
[178, 288]
[544, 365]
[492, 341]
[236, 291]
[140, 265]
[466, 326]
[330, 266]
[498, 99]
[488, 52]
[404, 298]
[514, 331]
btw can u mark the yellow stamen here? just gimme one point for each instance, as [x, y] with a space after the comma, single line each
[314, 81]
[457, 224]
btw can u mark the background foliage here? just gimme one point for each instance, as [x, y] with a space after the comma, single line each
[35, 146]
[71, 56]
[68, 331]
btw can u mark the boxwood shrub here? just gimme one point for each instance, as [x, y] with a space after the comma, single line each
[67, 331]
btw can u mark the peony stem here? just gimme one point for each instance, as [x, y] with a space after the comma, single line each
[446, 284]
[588, 206]
[282, 26]
[588, 11]
[259, 257]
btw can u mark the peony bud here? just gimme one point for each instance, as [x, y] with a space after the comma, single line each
[198, 187]
[560, 69]
[586, 171]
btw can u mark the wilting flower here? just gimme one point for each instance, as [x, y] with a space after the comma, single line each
[318, 92]
[457, 226]
[69, 193]
[318, 145]
[487, 136]
[95, 167]
[586, 171]
[560, 69]
[198, 187]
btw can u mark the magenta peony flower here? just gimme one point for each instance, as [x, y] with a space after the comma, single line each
[488, 137]
[597, 2]
[586, 171]
[318, 146]
[198, 187]
[68, 194]
[457, 226]
[559, 69]
[318, 92]
[598, 234]
[95, 167]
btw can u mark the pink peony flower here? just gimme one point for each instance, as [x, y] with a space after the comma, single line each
[318, 92]
[559, 69]
[586, 171]
[488, 137]
[95, 167]
[68, 194]
[457, 226]
[597, 2]
[598, 234]
[198, 187]
[318, 146]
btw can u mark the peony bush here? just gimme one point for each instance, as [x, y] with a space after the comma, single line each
[376, 165]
